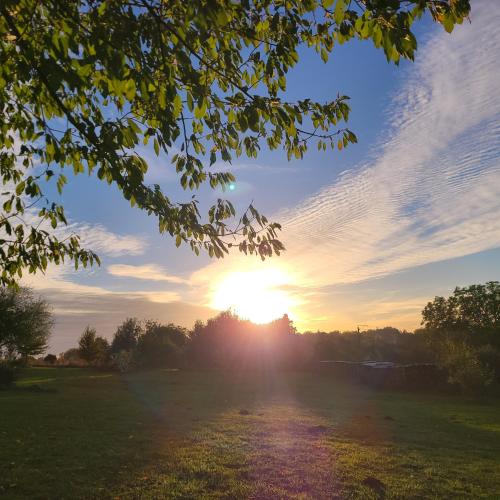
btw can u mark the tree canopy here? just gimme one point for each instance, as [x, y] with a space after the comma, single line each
[25, 323]
[85, 84]
[475, 308]
[92, 348]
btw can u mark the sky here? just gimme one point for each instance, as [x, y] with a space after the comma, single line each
[372, 232]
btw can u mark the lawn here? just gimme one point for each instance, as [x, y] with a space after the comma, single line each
[77, 433]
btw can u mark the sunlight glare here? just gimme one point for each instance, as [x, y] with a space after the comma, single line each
[255, 295]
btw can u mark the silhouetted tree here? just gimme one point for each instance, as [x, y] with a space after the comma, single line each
[92, 348]
[473, 312]
[161, 345]
[51, 359]
[87, 347]
[127, 336]
[227, 341]
[463, 331]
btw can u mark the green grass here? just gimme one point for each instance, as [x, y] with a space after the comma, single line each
[172, 434]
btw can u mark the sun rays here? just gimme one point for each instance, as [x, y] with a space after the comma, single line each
[259, 296]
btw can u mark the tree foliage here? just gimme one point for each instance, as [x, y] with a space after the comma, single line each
[464, 366]
[25, 323]
[51, 359]
[126, 336]
[161, 345]
[463, 331]
[85, 84]
[86, 344]
[473, 311]
[92, 348]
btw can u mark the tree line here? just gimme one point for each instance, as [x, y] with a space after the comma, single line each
[460, 333]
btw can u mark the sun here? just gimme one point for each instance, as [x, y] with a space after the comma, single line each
[255, 295]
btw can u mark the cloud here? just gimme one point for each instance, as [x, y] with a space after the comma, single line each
[432, 189]
[150, 272]
[58, 279]
[428, 192]
[102, 241]
[93, 236]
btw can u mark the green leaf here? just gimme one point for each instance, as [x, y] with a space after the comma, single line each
[20, 187]
[339, 11]
[177, 106]
[200, 111]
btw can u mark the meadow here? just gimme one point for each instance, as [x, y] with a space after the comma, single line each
[79, 433]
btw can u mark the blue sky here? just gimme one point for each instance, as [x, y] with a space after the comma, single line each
[372, 232]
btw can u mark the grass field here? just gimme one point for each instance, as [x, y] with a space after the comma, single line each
[75, 433]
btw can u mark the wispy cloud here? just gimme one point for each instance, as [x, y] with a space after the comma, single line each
[102, 241]
[150, 272]
[432, 190]
[93, 236]
[59, 279]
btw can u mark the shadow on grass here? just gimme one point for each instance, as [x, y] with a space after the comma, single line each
[167, 434]
[286, 435]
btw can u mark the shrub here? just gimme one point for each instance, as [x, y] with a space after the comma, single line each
[51, 359]
[7, 374]
[465, 367]
[123, 361]
[72, 358]
[490, 356]
[161, 345]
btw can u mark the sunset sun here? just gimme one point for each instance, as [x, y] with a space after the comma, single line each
[257, 296]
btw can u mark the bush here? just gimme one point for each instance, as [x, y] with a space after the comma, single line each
[7, 374]
[72, 358]
[490, 356]
[161, 345]
[51, 359]
[123, 361]
[466, 368]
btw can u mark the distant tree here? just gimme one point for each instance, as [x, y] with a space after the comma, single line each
[282, 326]
[71, 356]
[463, 331]
[87, 344]
[103, 351]
[465, 367]
[161, 345]
[25, 323]
[227, 341]
[92, 348]
[51, 359]
[87, 83]
[472, 312]
[127, 335]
